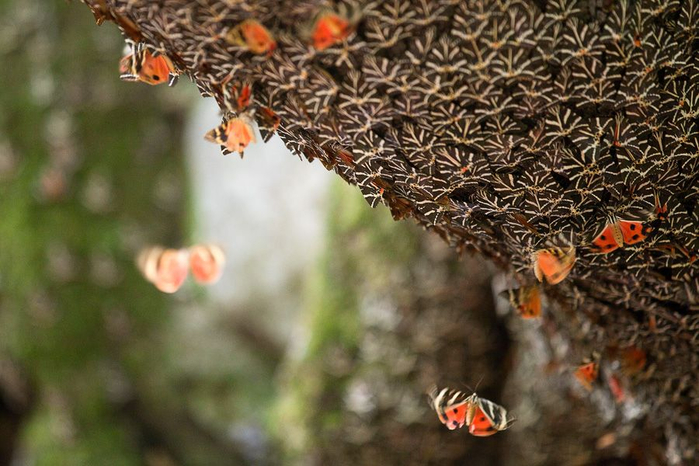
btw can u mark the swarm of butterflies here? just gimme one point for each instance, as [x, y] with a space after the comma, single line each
[167, 268]
[236, 132]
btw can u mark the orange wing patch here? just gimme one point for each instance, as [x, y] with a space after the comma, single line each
[610, 239]
[480, 425]
[586, 374]
[329, 29]
[554, 264]
[632, 231]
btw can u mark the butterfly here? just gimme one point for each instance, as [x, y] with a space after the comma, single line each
[234, 134]
[142, 65]
[456, 409]
[553, 263]
[586, 374]
[165, 268]
[633, 360]
[328, 30]
[254, 36]
[618, 233]
[617, 388]
[527, 301]
[206, 262]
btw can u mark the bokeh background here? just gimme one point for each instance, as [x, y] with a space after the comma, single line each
[318, 343]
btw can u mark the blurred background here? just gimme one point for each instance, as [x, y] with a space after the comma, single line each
[316, 346]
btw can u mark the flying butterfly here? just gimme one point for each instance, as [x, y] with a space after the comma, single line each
[164, 268]
[142, 65]
[456, 409]
[553, 263]
[526, 300]
[234, 134]
[252, 35]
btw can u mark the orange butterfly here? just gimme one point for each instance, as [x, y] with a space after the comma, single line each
[235, 134]
[586, 374]
[329, 29]
[618, 233]
[254, 36]
[617, 388]
[206, 262]
[527, 301]
[164, 268]
[633, 360]
[456, 409]
[142, 65]
[553, 263]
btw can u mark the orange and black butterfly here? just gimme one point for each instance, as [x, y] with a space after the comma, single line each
[234, 135]
[144, 66]
[527, 301]
[456, 409]
[587, 373]
[252, 35]
[619, 232]
[329, 29]
[554, 264]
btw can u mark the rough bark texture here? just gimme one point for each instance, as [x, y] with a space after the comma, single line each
[506, 127]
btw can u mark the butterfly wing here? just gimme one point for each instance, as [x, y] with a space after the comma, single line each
[586, 374]
[633, 231]
[206, 262]
[452, 407]
[329, 30]
[610, 239]
[529, 302]
[219, 135]
[554, 264]
[257, 38]
[239, 135]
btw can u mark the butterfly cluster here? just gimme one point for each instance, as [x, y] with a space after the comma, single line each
[502, 125]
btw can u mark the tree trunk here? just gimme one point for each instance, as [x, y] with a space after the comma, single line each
[507, 127]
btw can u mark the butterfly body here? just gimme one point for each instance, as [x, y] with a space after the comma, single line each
[554, 264]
